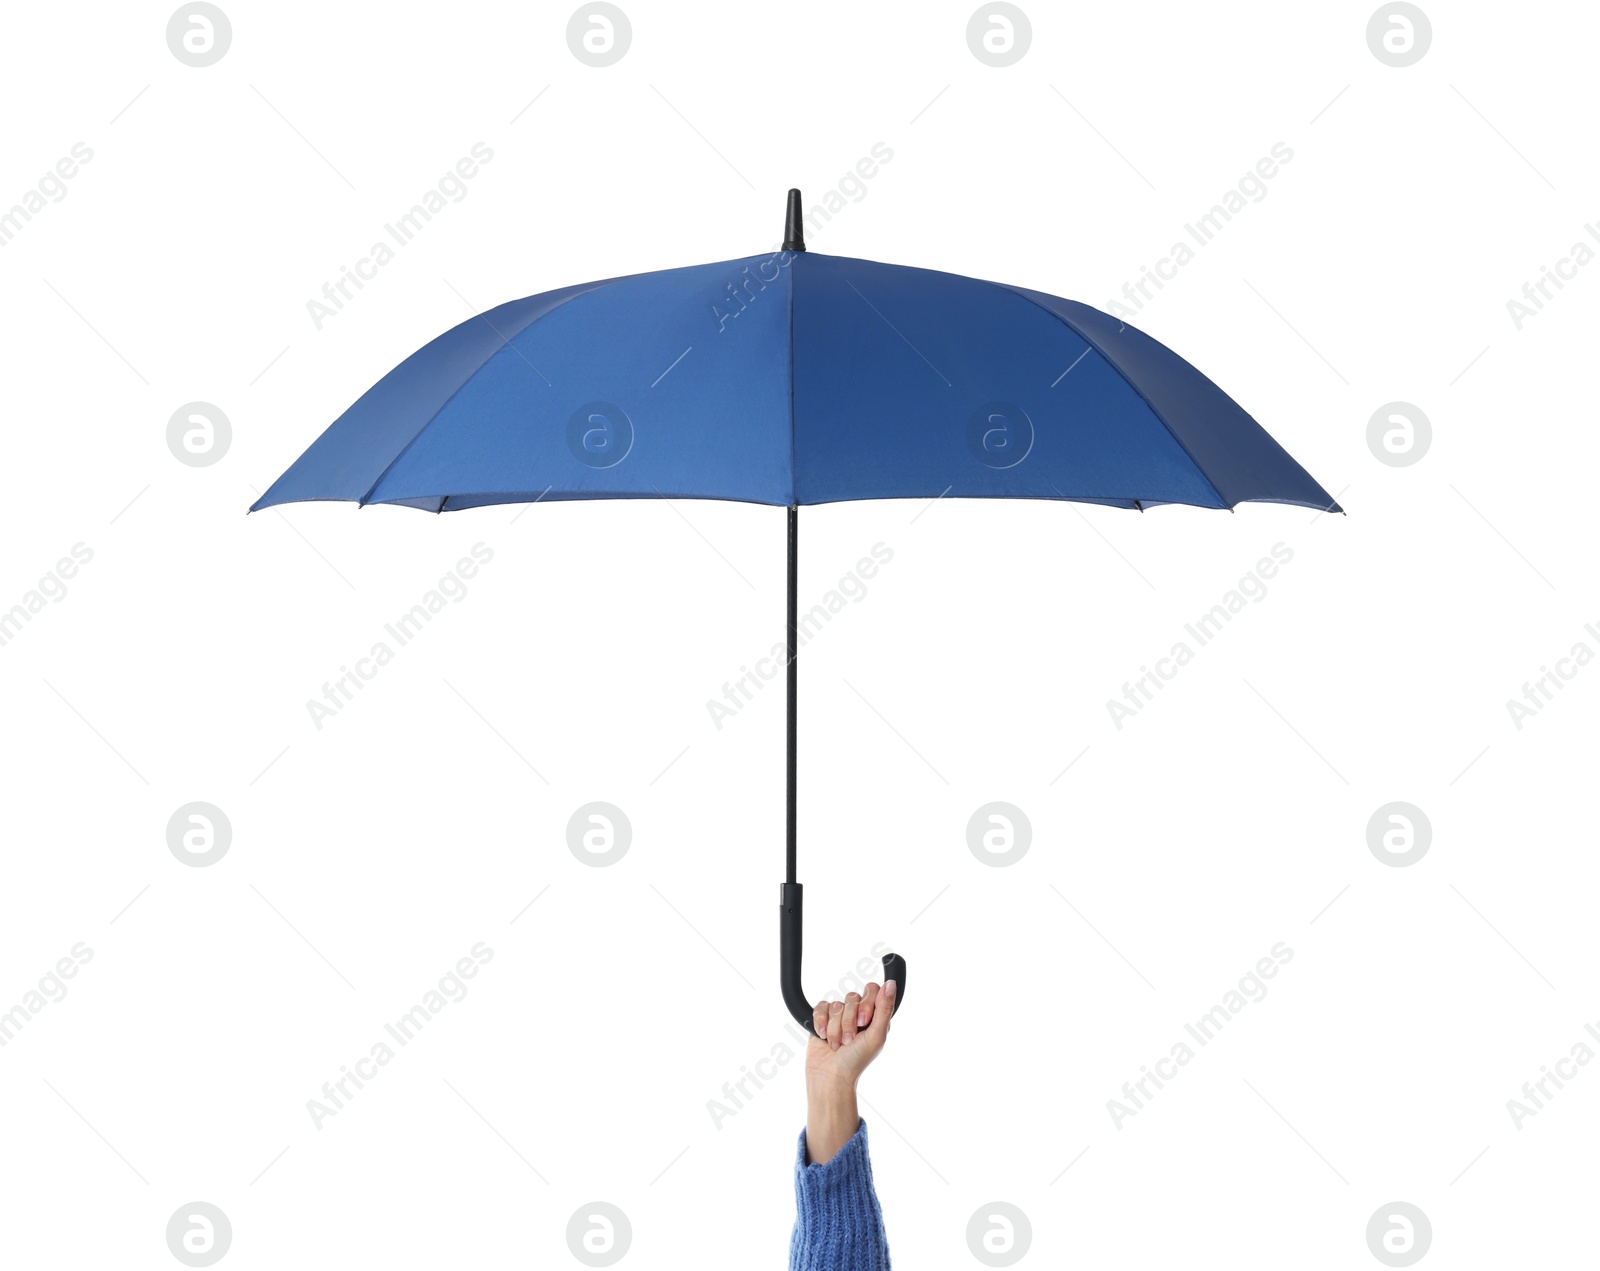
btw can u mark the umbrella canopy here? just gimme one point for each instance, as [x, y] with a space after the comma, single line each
[791, 379]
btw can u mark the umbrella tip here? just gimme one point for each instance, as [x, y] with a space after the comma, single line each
[794, 237]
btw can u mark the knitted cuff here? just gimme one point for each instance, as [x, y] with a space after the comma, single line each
[838, 1222]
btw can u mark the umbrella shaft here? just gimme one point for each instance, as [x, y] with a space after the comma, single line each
[794, 643]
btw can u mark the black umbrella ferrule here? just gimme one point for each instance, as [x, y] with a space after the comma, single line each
[794, 229]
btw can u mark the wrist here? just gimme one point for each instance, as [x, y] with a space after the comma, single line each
[831, 1118]
[830, 1088]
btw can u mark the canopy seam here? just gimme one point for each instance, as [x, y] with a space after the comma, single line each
[1121, 374]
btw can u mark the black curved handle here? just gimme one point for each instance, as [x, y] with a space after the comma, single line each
[791, 925]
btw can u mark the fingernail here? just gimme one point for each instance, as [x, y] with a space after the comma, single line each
[891, 988]
[861, 1019]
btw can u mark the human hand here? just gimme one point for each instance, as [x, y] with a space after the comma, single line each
[849, 1035]
[846, 1037]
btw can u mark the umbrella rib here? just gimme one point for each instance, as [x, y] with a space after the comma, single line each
[505, 341]
[794, 476]
[467, 379]
[897, 331]
[1122, 375]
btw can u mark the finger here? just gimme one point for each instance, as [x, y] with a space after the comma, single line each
[884, 1007]
[819, 1019]
[869, 998]
[835, 1025]
[851, 1012]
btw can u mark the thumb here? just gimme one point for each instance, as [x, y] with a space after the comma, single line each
[887, 997]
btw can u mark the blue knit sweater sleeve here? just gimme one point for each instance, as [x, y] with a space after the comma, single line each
[838, 1225]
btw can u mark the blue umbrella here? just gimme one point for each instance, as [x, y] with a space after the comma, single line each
[792, 378]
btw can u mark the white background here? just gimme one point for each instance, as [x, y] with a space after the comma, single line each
[1230, 814]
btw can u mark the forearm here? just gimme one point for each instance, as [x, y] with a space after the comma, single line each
[831, 1117]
